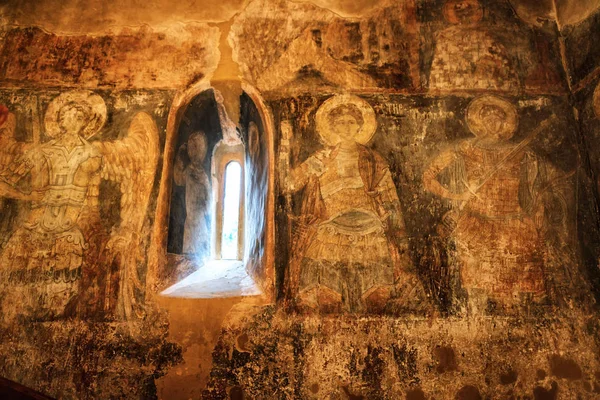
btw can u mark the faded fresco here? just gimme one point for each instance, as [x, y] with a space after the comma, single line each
[510, 207]
[470, 198]
[257, 189]
[190, 220]
[582, 55]
[587, 102]
[78, 191]
[56, 241]
[128, 58]
[378, 50]
[466, 55]
[436, 202]
[189, 173]
[479, 45]
[349, 244]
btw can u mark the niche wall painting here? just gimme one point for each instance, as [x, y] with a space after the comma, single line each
[395, 204]
[77, 172]
[190, 222]
[257, 187]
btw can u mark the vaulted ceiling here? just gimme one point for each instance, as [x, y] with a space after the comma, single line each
[96, 16]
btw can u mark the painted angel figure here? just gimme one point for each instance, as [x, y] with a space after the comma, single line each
[346, 251]
[57, 261]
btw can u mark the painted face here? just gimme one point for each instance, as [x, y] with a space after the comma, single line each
[346, 127]
[197, 148]
[494, 121]
[71, 120]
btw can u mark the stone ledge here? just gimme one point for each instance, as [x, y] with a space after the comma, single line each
[215, 279]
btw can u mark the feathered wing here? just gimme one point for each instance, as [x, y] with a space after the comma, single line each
[10, 149]
[131, 162]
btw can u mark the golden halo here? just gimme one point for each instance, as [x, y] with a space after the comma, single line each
[478, 127]
[450, 13]
[367, 129]
[596, 101]
[94, 103]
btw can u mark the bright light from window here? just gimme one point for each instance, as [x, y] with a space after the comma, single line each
[231, 211]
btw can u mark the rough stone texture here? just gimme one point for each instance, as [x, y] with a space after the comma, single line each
[380, 358]
[129, 58]
[417, 71]
[87, 360]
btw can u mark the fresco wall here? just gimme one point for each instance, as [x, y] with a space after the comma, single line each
[436, 215]
[423, 227]
[584, 66]
[78, 189]
[83, 134]
[582, 56]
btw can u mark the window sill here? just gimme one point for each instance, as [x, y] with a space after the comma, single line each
[215, 279]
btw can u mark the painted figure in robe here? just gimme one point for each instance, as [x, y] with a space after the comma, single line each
[349, 250]
[189, 172]
[506, 200]
[466, 56]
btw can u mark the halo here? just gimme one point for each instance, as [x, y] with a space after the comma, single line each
[94, 102]
[369, 125]
[596, 101]
[450, 15]
[477, 126]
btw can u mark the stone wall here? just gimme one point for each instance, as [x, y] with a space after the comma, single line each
[435, 218]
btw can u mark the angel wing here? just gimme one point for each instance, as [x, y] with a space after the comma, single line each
[9, 147]
[16, 159]
[131, 162]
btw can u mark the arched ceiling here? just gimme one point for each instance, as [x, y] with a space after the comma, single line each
[99, 16]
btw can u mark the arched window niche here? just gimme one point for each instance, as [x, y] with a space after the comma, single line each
[197, 259]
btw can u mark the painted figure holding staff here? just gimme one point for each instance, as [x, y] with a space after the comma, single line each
[504, 204]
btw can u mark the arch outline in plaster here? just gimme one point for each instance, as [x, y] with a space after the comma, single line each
[158, 249]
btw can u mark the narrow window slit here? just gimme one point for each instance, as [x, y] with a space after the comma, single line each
[231, 211]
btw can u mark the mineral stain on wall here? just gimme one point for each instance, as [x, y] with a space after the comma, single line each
[436, 216]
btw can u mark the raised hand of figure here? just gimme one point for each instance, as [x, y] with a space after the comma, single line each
[449, 223]
[464, 196]
[319, 163]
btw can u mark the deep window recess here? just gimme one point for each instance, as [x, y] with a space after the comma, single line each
[227, 257]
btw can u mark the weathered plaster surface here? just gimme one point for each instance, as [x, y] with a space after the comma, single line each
[128, 58]
[410, 64]
[374, 358]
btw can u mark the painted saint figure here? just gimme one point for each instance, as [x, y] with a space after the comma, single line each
[59, 240]
[191, 174]
[345, 254]
[466, 56]
[504, 204]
